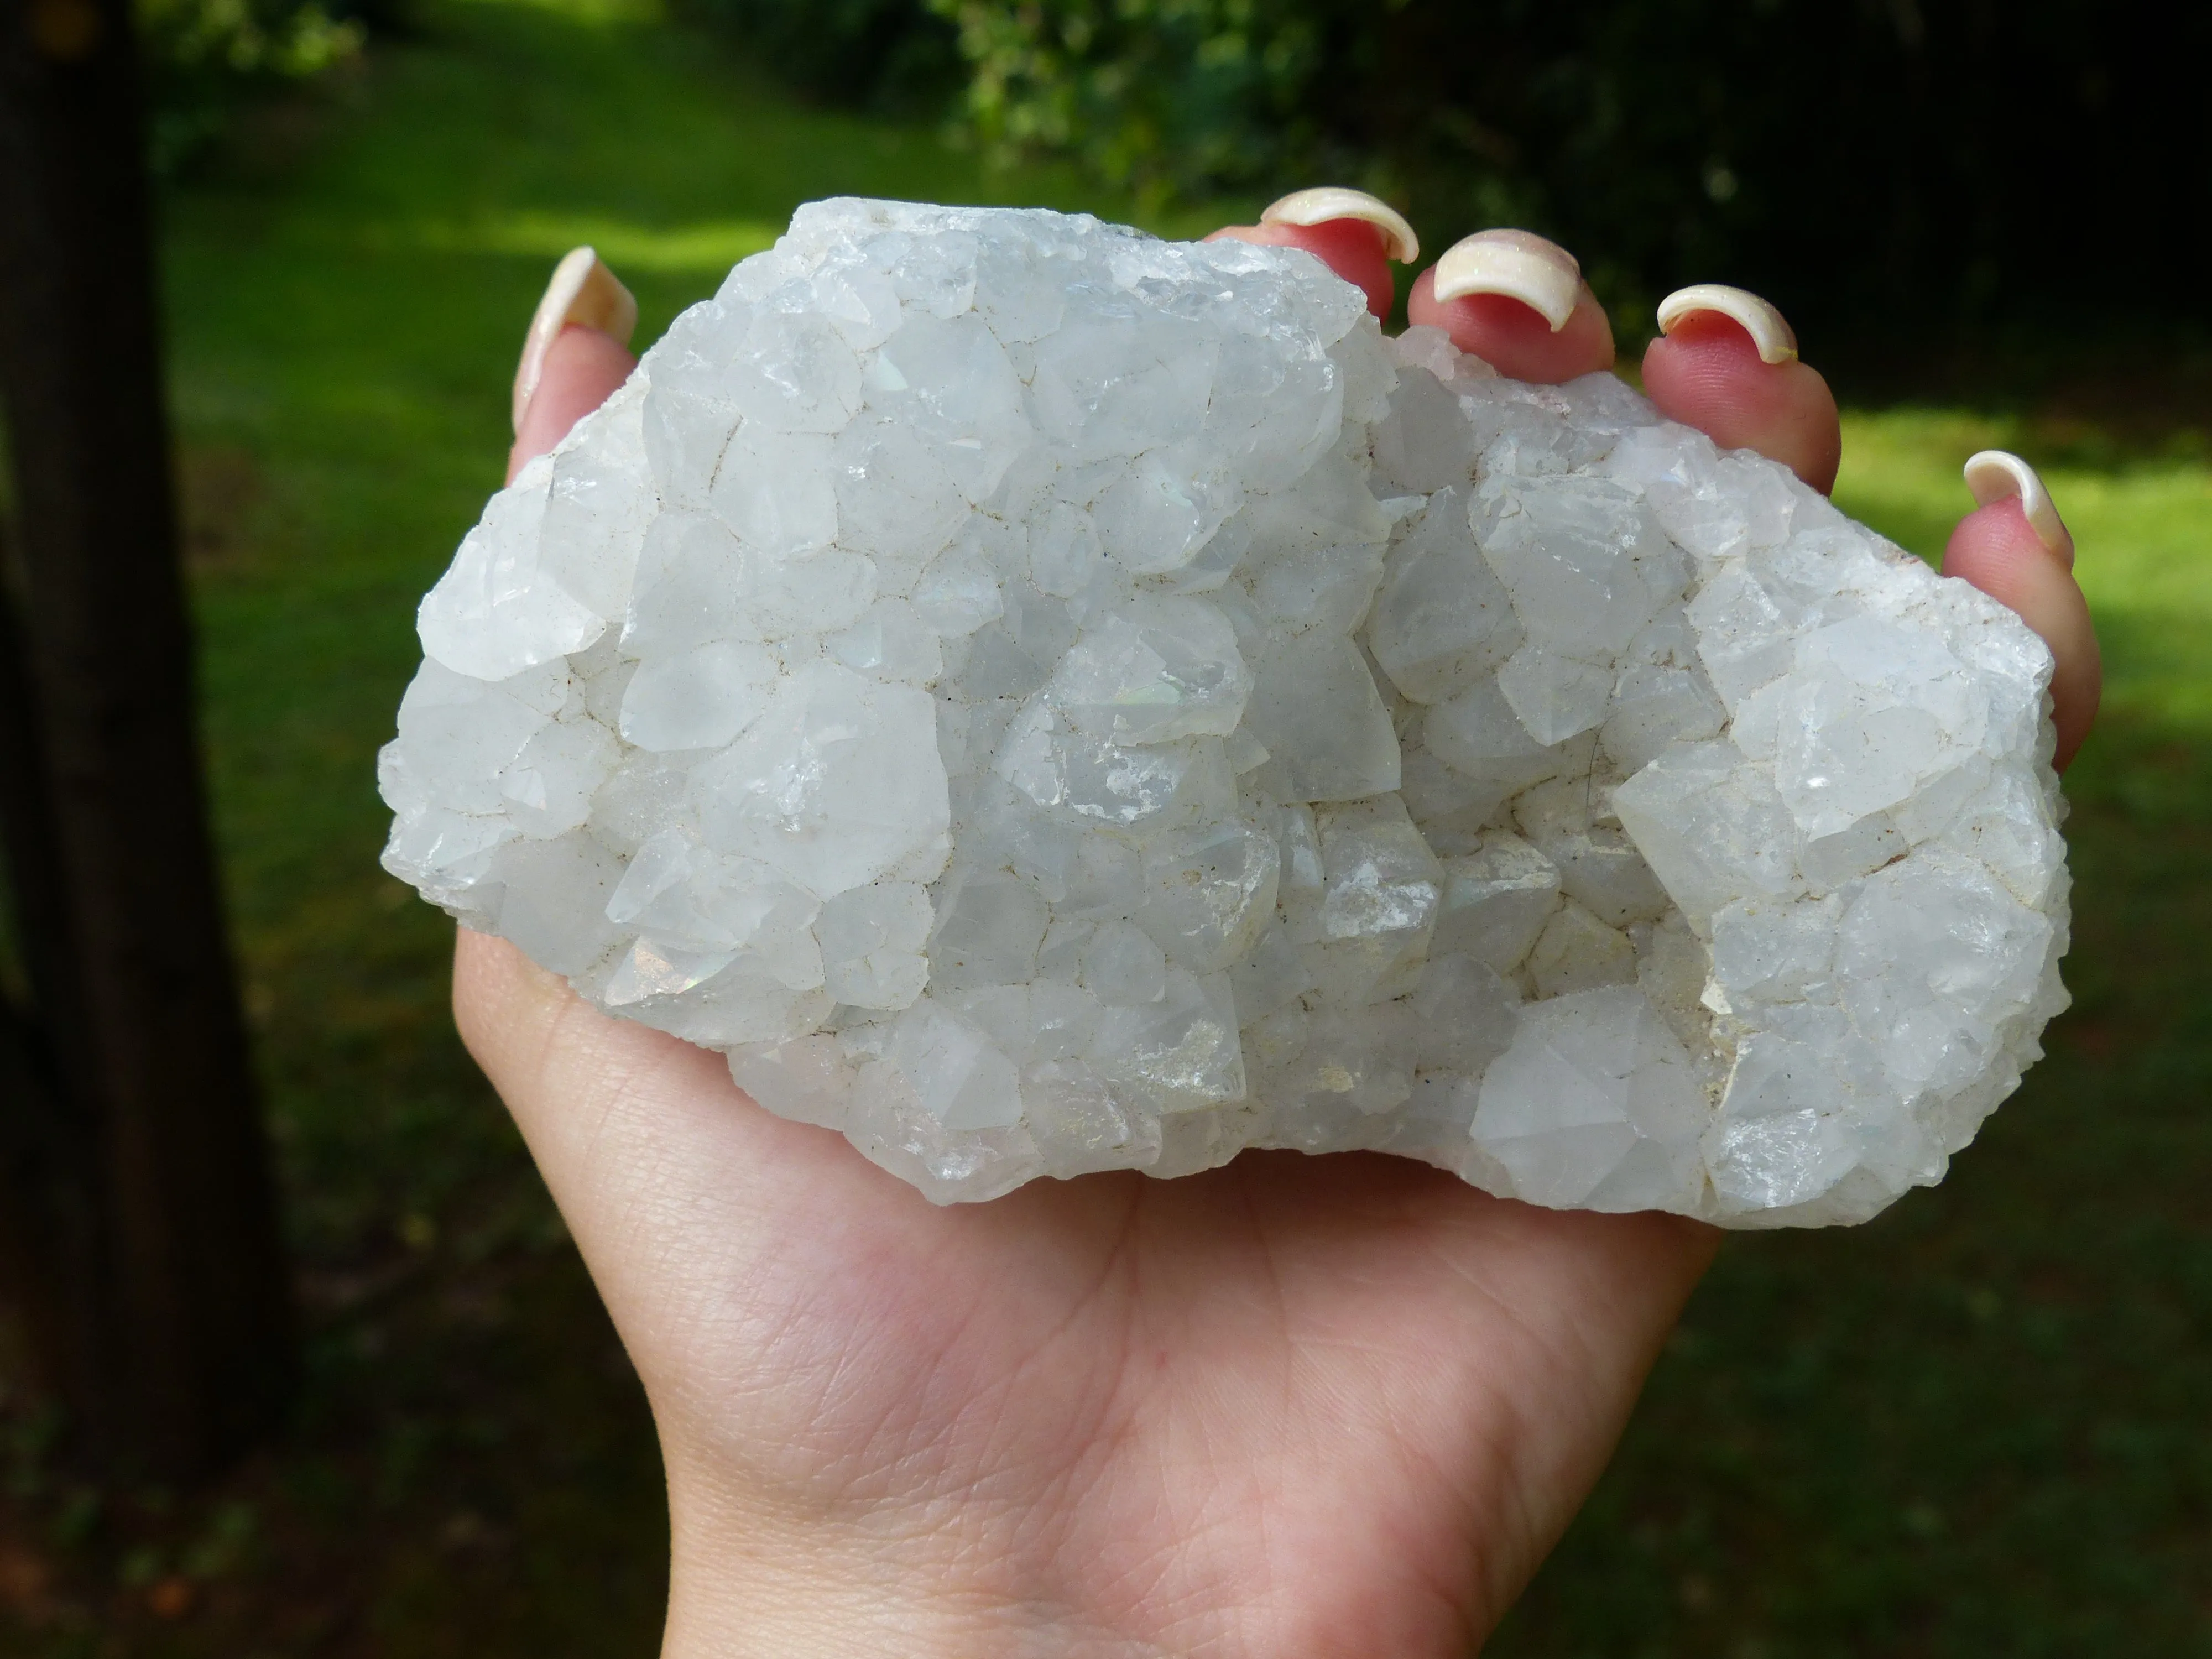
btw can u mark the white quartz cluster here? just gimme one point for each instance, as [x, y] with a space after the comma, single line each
[1045, 700]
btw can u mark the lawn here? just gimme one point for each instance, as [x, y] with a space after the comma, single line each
[1976, 1426]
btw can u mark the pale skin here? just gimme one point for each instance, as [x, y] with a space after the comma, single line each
[1291, 1408]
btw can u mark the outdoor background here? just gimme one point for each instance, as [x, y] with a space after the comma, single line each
[1977, 1427]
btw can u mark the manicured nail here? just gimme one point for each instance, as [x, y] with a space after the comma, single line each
[1521, 265]
[1327, 201]
[583, 290]
[1995, 476]
[1775, 340]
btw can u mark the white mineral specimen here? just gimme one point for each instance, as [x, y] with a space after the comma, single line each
[1045, 700]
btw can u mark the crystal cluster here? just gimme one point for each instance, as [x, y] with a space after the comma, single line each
[1045, 700]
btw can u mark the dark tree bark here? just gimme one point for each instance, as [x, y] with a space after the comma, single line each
[146, 1252]
[42, 1201]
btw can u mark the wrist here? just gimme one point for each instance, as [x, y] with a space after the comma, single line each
[745, 1586]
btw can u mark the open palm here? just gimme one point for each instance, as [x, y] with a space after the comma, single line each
[1294, 1407]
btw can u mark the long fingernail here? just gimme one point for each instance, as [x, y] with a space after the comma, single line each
[583, 290]
[1517, 264]
[1327, 201]
[1775, 340]
[1995, 475]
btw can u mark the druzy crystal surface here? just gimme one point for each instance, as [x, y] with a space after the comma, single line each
[1045, 700]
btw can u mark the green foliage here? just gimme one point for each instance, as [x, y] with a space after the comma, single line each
[877, 54]
[1187, 96]
[203, 56]
[1879, 166]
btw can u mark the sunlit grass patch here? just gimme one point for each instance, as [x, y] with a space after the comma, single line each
[708, 249]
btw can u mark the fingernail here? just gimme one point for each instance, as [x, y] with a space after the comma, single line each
[1775, 340]
[1995, 475]
[1521, 265]
[583, 290]
[1327, 201]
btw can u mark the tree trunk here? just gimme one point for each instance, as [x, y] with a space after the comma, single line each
[142, 1215]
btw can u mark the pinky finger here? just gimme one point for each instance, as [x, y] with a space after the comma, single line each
[2014, 548]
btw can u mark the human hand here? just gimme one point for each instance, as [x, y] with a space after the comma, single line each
[1291, 1407]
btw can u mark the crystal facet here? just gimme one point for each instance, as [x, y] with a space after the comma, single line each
[1043, 700]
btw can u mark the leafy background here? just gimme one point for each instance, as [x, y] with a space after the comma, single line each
[1975, 1426]
[1933, 161]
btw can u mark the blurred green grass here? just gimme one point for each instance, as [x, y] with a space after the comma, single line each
[1977, 1425]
